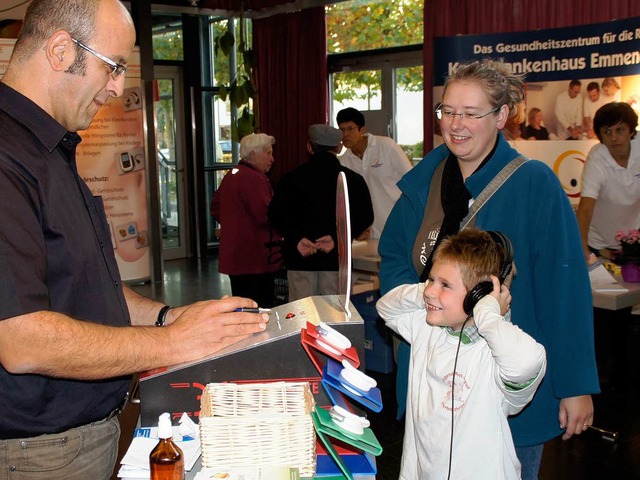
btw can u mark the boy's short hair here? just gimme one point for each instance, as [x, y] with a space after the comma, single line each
[475, 252]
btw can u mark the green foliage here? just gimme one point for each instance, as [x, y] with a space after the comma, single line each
[220, 61]
[249, 59]
[414, 151]
[245, 124]
[359, 25]
[240, 89]
[168, 45]
[366, 25]
[224, 43]
[411, 79]
[361, 85]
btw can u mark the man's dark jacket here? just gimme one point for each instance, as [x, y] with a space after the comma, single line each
[304, 206]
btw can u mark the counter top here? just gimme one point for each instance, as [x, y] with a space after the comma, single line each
[364, 255]
[618, 300]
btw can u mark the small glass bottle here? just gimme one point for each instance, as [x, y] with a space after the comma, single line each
[166, 461]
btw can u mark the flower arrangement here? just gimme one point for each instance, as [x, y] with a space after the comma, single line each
[630, 247]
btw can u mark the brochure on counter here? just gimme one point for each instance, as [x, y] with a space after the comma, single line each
[602, 281]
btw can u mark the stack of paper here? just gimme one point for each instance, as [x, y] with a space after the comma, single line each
[135, 463]
[602, 281]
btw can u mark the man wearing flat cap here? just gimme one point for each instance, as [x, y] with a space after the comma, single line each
[303, 210]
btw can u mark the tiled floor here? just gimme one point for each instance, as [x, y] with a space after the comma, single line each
[585, 457]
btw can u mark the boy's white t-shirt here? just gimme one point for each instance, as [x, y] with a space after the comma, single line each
[482, 443]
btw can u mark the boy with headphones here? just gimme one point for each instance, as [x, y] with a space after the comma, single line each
[470, 366]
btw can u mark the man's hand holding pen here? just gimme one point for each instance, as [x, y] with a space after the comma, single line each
[206, 327]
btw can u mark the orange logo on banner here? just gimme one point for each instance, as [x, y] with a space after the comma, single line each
[568, 168]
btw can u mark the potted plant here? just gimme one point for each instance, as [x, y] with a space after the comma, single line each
[241, 90]
[629, 256]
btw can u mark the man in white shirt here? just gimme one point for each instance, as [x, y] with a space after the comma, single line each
[378, 159]
[592, 102]
[569, 112]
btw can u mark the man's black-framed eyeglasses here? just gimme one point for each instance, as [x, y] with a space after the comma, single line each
[117, 69]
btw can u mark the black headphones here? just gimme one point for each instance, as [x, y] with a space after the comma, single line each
[485, 288]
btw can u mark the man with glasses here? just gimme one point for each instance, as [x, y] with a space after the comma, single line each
[378, 159]
[71, 333]
[117, 69]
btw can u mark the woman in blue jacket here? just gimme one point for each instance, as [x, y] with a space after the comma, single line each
[551, 292]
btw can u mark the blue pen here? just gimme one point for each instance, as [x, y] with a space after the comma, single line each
[253, 310]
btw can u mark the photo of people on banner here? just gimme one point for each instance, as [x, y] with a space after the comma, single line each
[569, 74]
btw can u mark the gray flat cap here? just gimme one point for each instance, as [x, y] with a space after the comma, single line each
[326, 135]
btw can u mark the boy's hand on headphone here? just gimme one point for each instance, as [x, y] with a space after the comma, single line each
[502, 294]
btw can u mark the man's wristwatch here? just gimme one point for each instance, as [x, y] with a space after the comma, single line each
[162, 316]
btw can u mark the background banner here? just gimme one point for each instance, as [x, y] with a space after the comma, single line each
[589, 51]
[549, 60]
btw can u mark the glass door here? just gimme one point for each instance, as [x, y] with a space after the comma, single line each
[388, 90]
[169, 118]
[408, 113]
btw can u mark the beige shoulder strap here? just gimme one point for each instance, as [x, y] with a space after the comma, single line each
[491, 188]
[431, 222]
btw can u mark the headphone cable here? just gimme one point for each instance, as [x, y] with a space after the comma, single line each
[453, 395]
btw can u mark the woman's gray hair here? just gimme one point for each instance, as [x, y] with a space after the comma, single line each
[254, 142]
[44, 17]
[501, 86]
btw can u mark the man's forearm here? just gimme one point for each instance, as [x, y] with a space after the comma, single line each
[52, 344]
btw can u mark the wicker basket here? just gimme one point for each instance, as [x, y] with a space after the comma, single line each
[258, 424]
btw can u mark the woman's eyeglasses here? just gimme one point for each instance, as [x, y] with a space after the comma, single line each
[448, 114]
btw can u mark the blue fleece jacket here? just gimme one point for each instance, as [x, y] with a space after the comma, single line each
[551, 292]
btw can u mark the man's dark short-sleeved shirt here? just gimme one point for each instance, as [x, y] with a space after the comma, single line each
[55, 254]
